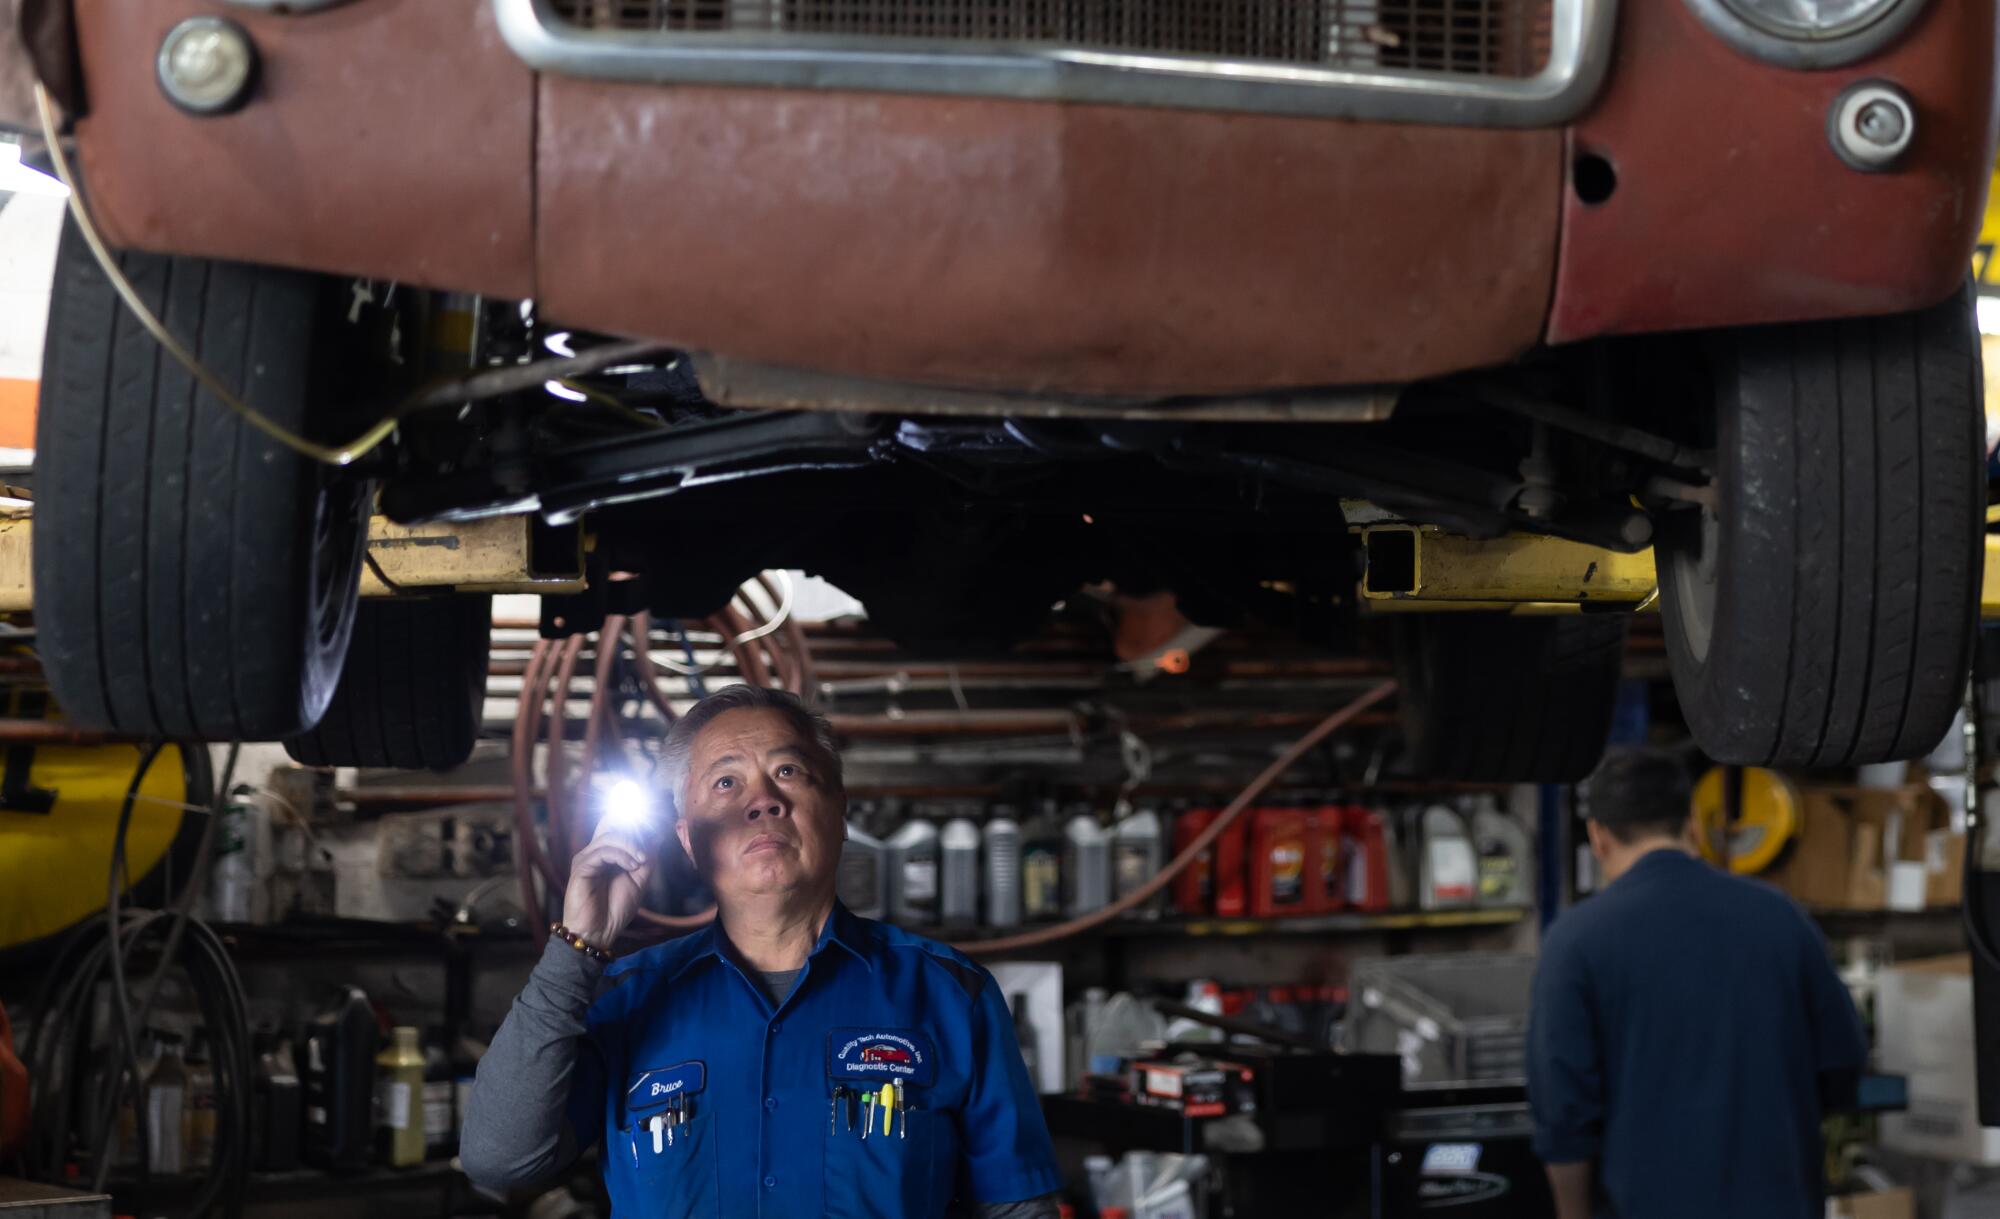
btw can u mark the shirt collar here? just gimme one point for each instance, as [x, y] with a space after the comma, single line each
[842, 927]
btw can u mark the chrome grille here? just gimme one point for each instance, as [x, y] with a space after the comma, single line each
[1503, 38]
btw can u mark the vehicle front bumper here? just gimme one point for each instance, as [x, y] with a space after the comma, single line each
[1049, 246]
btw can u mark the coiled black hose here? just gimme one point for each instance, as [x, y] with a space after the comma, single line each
[65, 1039]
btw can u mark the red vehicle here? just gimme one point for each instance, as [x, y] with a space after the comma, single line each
[884, 1053]
[965, 302]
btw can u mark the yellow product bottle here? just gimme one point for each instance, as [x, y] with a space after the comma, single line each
[400, 1070]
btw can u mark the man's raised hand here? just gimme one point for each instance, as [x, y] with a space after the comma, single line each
[606, 881]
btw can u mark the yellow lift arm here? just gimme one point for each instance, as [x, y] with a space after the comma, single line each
[495, 555]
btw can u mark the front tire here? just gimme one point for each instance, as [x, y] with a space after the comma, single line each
[194, 579]
[1823, 613]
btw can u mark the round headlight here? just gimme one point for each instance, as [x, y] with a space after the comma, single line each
[1810, 19]
[1807, 33]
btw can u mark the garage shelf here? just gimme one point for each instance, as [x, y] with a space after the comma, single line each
[1347, 923]
[302, 1184]
[353, 937]
[1939, 915]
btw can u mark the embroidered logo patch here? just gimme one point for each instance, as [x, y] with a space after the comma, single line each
[659, 1086]
[877, 1053]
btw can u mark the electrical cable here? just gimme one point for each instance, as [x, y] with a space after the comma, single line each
[1179, 863]
[183, 911]
[786, 643]
[97, 954]
[121, 1002]
[610, 403]
[749, 656]
[779, 617]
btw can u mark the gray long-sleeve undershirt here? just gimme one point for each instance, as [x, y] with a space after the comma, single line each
[517, 1130]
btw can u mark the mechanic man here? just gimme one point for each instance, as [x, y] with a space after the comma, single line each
[790, 1059]
[1687, 1028]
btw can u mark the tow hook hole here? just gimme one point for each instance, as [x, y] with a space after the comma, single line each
[1392, 561]
[1593, 178]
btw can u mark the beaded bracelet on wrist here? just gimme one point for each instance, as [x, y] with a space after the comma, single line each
[578, 942]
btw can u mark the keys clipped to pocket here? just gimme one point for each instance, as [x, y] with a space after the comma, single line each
[661, 1126]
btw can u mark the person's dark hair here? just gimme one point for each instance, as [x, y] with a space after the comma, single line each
[1638, 793]
[679, 746]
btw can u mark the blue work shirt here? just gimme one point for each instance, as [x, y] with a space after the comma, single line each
[1686, 1028]
[686, 1030]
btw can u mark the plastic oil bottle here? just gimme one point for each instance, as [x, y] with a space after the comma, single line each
[1001, 855]
[128, 1154]
[276, 1138]
[198, 1118]
[401, 1068]
[1506, 861]
[1041, 865]
[1447, 868]
[958, 870]
[1086, 866]
[1194, 888]
[338, 1082]
[440, 1126]
[913, 874]
[861, 877]
[166, 1109]
[1278, 838]
[1138, 851]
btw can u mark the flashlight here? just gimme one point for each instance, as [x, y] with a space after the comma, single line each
[626, 806]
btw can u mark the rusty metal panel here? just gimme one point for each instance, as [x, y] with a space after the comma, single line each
[1731, 208]
[735, 383]
[387, 138]
[989, 244]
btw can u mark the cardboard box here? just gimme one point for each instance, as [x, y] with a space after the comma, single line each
[1814, 868]
[1896, 1203]
[1923, 1022]
[1867, 877]
[1944, 867]
[1849, 839]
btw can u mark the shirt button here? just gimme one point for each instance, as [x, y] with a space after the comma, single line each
[774, 1026]
[770, 1182]
[770, 1102]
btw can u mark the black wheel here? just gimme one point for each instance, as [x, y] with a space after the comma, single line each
[1507, 699]
[413, 690]
[1823, 613]
[194, 579]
